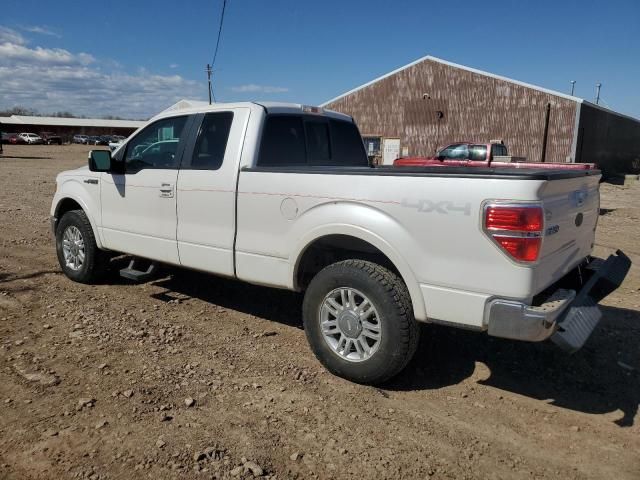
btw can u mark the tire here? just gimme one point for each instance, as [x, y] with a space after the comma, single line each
[398, 331]
[92, 265]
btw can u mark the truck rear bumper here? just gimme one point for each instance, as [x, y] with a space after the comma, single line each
[567, 317]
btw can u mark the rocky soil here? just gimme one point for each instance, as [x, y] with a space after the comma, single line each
[191, 376]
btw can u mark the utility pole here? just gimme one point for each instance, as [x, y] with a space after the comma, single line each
[598, 85]
[208, 70]
[545, 135]
[573, 86]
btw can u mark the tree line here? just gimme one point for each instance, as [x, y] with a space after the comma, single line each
[34, 113]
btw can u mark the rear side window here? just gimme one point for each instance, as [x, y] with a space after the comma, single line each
[282, 142]
[347, 145]
[318, 151]
[478, 152]
[296, 140]
[211, 144]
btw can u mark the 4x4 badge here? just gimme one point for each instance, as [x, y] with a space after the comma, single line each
[445, 206]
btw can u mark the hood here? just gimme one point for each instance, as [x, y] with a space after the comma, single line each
[71, 173]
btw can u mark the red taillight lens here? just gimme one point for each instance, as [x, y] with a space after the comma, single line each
[523, 249]
[521, 219]
[516, 229]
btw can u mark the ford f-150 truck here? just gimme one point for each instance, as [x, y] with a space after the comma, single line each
[283, 195]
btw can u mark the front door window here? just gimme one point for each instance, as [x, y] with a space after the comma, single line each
[156, 146]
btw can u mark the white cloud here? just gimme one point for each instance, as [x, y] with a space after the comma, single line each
[174, 65]
[41, 30]
[8, 35]
[16, 53]
[253, 88]
[53, 79]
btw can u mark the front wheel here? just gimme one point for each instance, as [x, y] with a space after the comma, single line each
[78, 254]
[359, 321]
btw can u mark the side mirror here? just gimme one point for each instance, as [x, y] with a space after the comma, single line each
[100, 160]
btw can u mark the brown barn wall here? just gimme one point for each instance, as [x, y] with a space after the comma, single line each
[475, 107]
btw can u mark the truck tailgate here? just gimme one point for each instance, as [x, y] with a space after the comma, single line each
[571, 208]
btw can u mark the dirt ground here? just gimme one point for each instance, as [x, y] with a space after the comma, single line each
[191, 376]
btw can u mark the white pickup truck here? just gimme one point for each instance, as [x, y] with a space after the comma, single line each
[282, 195]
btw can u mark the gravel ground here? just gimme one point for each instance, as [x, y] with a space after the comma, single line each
[191, 376]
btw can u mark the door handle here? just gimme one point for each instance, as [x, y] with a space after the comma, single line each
[166, 190]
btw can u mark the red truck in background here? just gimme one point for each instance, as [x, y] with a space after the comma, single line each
[492, 154]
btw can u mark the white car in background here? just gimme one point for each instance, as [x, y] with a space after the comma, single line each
[31, 138]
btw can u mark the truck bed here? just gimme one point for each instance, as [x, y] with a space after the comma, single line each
[426, 216]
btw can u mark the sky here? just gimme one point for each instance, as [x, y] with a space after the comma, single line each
[133, 58]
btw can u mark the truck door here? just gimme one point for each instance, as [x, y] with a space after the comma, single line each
[139, 205]
[207, 191]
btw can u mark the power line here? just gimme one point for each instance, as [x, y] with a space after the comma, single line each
[209, 68]
[605, 103]
[215, 53]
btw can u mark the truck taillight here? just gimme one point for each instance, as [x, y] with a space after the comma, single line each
[522, 219]
[516, 229]
[522, 249]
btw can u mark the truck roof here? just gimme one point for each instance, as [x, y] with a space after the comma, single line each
[270, 107]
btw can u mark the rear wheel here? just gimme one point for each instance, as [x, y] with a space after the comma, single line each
[78, 254]
[359, 321]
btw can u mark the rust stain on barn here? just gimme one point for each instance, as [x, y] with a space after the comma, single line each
[431, 103]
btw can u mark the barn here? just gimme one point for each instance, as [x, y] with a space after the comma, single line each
[66, 128]
[431, 102]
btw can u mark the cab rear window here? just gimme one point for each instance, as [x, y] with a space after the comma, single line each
[299, 140]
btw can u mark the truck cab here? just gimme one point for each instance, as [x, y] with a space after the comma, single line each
[475, 152]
